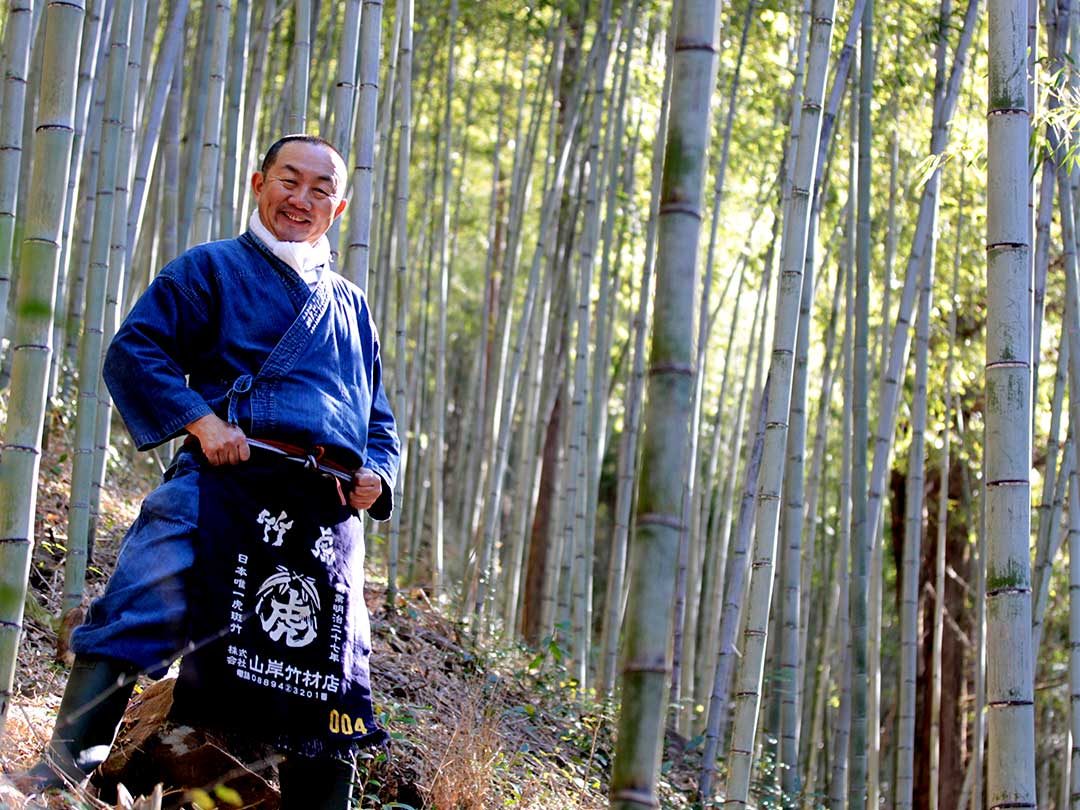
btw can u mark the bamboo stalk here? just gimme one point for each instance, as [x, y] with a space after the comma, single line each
[230, 214]
[733, 598]
[296, 119]
[358, 254]
[80, 514]
[17, 41]
[202, 230]
[1010, 664]
[659, 510]
[942, 522]
[40, 257]
[749, 681]
[401, 203]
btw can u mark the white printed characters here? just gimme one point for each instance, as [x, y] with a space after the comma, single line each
[279, 524]
[287, 606]
[324, 547]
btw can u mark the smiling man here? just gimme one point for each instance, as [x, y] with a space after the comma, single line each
[247, 562]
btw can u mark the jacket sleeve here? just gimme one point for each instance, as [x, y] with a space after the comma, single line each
[383, 447]
[147, 362]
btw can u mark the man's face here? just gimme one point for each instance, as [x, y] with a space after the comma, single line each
[301, 193]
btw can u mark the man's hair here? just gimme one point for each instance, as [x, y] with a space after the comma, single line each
[272, 152]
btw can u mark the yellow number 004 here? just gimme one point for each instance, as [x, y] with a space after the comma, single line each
[341, 723]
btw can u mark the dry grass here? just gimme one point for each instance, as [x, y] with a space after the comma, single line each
[472, 731]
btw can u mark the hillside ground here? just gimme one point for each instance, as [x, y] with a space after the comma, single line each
[473, 728]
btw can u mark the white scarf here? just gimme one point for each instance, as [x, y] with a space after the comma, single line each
[308, 260]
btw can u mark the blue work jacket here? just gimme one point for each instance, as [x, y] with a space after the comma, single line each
[229, 328]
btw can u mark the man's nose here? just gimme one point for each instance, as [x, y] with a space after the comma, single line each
[300, 198]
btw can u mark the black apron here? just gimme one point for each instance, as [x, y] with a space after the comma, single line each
[277, 597]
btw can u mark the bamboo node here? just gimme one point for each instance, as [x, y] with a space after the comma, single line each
[1003, 591]
[642, 797]
[16, 625]
[679, 208]
[691, 45]
[657, 519]
[1003, 704]
[22, 448]
[672, 368]
[632, 666]
[41, 347]
[37, 240]
[54, 127]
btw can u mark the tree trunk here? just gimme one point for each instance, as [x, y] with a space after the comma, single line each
[1010, 675]
[748, 688]
[17, 43]
[91, 346]
[40, 258]
[361, 215]
[296, 120]
[211, 148]
[401, 218]
[441, 303]
[659, 510]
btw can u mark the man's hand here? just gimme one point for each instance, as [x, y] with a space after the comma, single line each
[366, 489]
[221, 442]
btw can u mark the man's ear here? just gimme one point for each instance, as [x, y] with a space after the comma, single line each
[257, 183]
[340, 208]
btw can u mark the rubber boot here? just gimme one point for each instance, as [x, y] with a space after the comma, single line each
[94, 700]
[315, 784]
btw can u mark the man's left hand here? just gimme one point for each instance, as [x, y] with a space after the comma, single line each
[366, 488]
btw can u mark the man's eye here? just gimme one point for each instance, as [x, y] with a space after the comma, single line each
[322, 193]
[287, 182]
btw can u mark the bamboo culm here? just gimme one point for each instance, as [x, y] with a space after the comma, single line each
[1009, 655]
[659, 510]
[31, 348]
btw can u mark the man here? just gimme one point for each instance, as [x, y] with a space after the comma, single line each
[249, 564]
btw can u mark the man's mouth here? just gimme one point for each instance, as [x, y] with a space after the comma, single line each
[294, 218]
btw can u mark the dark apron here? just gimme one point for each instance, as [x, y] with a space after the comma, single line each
[277, 595]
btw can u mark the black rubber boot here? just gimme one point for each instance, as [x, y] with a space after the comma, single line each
[315, 784]
[94, 700]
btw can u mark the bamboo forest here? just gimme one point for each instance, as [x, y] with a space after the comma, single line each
[731, 348]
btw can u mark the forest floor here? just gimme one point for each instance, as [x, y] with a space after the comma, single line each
[472, 727]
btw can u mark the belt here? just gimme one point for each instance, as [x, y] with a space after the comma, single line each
[315, 461]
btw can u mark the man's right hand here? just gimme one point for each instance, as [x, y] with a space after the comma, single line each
[221, 442]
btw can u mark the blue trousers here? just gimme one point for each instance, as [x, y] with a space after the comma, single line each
[142, 617]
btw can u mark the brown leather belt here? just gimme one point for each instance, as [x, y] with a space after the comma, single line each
[315, 461]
